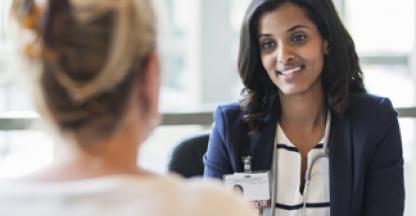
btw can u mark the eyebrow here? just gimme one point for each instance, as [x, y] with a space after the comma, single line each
[294, 28]
[297, 27]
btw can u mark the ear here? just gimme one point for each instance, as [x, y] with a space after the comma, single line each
[150, 85]
[326, 47]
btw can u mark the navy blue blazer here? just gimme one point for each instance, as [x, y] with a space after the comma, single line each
[365, 154]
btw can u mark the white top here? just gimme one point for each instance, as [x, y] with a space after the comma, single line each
[121, 196]
[289, 200]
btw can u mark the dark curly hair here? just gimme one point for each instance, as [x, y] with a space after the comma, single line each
[341, 73]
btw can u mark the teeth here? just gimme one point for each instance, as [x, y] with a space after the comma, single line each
[291, 71]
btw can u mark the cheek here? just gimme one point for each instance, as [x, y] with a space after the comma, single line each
[268, 64]
[315, 56]
[318, 63]
[314, 62]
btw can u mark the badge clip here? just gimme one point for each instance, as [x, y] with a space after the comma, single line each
[247, 163]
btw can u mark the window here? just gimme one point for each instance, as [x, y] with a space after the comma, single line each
[384, 34]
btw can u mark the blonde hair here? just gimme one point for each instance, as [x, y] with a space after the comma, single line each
[91, 53]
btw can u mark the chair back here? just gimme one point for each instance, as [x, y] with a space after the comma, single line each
[186, 157]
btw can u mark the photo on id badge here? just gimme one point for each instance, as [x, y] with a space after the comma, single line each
[254, 187]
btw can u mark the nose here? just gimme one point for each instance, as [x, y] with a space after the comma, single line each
[284, 54]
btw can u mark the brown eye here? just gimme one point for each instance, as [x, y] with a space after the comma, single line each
[298, 38]
[267, 45]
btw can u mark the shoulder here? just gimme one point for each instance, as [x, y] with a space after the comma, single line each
[230, 114]
[152, 195]
[208, 197]
[229, 111]
[228, 118]
[373, 118]
[369, 107]
[360, 99]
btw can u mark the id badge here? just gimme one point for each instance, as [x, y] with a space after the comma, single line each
[255, 187]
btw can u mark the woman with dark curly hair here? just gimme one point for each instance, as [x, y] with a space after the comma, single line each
[333, 149]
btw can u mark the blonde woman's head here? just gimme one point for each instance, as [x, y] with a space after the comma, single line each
[95, 56]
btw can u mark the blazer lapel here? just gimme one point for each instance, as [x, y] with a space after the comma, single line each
[262, 144]
[340, 166]
[261, 147]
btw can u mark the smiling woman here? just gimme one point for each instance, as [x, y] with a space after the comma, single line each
[305, 116]
[292, 50]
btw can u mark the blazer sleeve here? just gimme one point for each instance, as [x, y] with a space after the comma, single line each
[384, 185]
[216, 159]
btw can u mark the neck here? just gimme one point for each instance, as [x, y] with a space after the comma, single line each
[306, 110]
[110, 156]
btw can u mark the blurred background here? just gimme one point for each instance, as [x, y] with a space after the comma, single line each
[198, 44]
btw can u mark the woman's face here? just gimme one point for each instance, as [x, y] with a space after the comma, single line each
[292, 50]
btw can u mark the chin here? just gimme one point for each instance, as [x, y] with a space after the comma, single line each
[300, 88]
[293, 91]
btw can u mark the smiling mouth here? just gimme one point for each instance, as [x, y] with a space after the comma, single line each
[291, 71]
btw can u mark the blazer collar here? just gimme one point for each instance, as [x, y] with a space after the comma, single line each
[340, 166]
